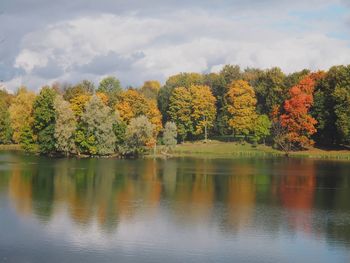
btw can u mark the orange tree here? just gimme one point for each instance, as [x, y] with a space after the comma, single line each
[300, 125]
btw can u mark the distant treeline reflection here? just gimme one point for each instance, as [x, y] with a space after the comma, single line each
[241, 191]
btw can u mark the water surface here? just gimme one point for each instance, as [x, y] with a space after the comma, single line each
[175, 210]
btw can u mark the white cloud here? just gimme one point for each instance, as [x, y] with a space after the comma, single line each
[181, 41]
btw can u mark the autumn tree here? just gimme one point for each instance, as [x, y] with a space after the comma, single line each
[133, 104]
[84, 87]
[78, 103]
[20, 112]
[241, 102]
[180, 110]
[203, 109]
[179, 80]
[95, 134]
[296, 119]
[44, 120]
[64, 127]
[150, 89]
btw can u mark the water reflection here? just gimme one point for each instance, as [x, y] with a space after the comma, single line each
[230, 196]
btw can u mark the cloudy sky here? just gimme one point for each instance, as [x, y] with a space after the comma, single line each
[42, 41]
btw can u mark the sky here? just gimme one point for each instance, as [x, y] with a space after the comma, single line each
[44, 41]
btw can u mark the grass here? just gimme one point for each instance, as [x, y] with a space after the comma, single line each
[10, 147]
[216, 148]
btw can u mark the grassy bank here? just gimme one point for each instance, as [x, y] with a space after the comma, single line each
[10, 147]
[231, 149]
[215, 148]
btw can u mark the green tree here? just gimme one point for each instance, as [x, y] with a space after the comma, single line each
[5, 123]
[180, 110]
[139, 134]
[96, 134]
[27, 139]
[112, 88]
[262, 127]
[65, 126]
[44, 120]
[170, 135]
[270, 90]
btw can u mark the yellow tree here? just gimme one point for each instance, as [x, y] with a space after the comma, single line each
[180, 110]
[20, 112]
[203, 109]
[150, 89]
[78, 104]
[133, 104]
[241, 106]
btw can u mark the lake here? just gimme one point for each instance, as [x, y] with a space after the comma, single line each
[175, 210]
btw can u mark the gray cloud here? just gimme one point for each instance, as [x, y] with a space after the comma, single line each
[138, 40]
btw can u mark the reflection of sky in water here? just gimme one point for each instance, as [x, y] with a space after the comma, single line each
[175, 211]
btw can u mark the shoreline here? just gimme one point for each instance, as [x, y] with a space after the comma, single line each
[215, 149]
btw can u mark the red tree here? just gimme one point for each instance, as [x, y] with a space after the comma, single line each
[298, 123]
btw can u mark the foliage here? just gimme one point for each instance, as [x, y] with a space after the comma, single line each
[139, 134]
[65, 126]
[5, 123]
[112, 88]
[180, 110]
[133, 104]
[296, 119]
[262, 127]
[27, 139]
[150, 89]
[179, 80]
[169, 135]
[78, 104]
[44, 120]
[270, 89]
[203, 109]
[84, 87]
[21, 112]
[241, 107]
[96, 134]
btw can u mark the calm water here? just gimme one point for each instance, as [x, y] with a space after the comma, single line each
[178, 210]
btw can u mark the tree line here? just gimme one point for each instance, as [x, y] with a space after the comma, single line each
[289, 111]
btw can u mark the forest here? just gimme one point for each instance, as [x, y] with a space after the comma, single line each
[290, 112]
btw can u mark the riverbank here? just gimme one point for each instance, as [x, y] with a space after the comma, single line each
[230, 149]
[216, 148]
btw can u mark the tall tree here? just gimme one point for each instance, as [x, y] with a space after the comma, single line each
[180, 110]
[179, 80]
[203, 109]
[112, 88]
[64, 127]
[44, 120]
[5, 123]
[20, 112]
[150, 89]
[139, 135]
[241, 107]
[83, 87]
[133, 104]
[170, 135]
[96, 134]
[270, 90]
[296, 119]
